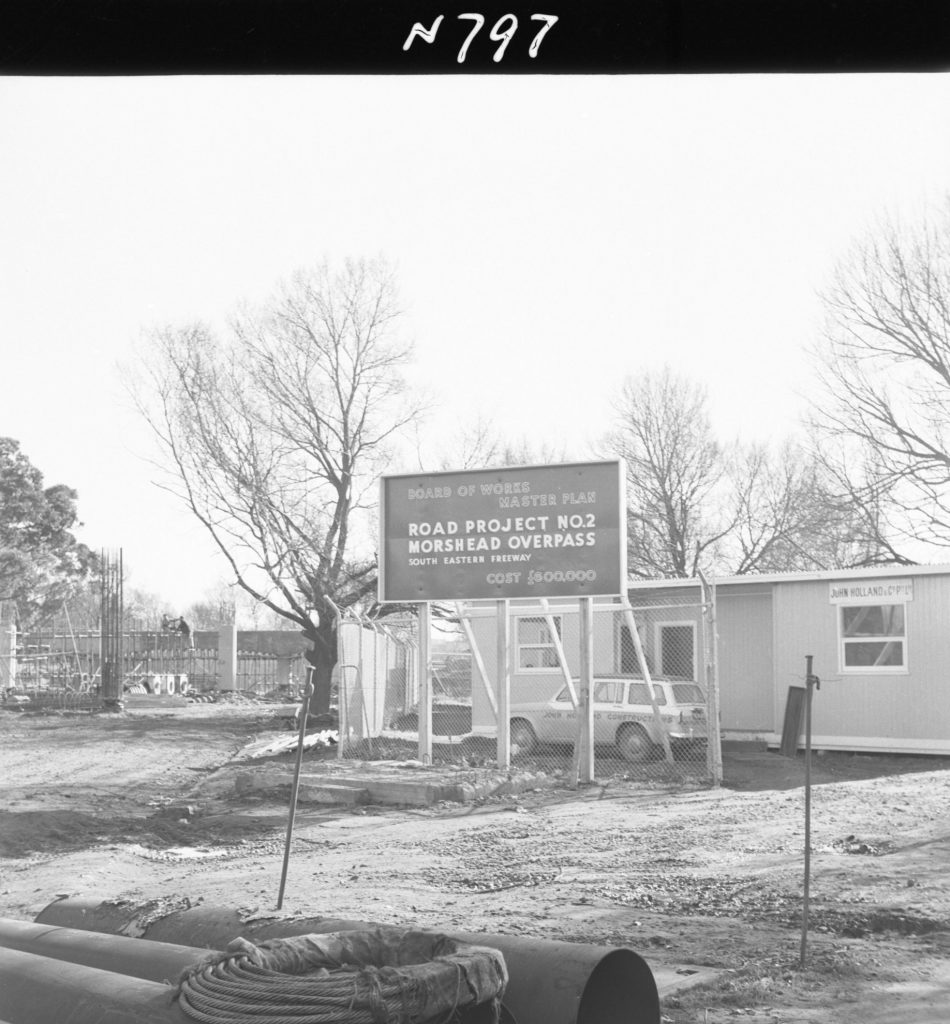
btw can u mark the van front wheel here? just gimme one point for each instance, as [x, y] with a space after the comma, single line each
[523, 737]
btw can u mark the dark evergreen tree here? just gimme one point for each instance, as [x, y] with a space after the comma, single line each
[41, 562]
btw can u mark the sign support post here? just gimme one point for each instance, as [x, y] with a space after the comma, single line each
[425, 685]
[585, 718]
[504, 684]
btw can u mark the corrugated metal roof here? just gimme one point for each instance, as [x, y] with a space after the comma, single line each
[874, 572]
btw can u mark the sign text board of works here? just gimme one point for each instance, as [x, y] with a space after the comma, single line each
[492, 534]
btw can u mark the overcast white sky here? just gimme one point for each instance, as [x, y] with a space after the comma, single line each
[552, 235]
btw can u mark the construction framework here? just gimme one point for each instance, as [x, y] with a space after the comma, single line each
[111, 615]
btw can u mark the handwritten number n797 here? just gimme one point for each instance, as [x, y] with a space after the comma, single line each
[502, 32]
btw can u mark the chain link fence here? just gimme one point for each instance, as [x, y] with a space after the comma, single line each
[654, 697]
[377, 687]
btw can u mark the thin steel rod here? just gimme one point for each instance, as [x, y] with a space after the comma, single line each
[806, 892]
[304, 711]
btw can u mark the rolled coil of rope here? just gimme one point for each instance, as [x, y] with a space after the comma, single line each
[383, 976]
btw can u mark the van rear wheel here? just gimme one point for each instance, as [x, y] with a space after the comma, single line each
[634, 744]
[523, 737]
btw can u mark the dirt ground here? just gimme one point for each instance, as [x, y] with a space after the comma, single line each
[141, 804]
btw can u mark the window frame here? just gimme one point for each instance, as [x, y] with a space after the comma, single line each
[843, 642]
[658, 645]
[519, 645]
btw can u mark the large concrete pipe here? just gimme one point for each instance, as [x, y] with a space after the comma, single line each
[37, 990]
[573, 982]
[548, 982]
[137, 958]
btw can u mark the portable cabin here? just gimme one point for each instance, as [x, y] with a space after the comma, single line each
[880, 643]
[879, 639]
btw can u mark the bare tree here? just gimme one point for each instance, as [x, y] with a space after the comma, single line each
[143, 608]
[479, 445]
[676, 517]
[697, 504]
[216, 609]
[225, 603]
[884, 367]
[274, 438]
[790, 515]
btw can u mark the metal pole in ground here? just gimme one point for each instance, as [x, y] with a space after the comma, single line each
[304, 711]
[810, 680]
[584, 742]
[711, 649]
[503, 682]
[342, 695]
[425, 683]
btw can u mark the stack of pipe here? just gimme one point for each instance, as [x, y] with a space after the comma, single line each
[73, 964]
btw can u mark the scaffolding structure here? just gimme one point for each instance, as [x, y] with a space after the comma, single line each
[111, 614]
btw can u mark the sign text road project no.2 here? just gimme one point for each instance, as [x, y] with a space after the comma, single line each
[524, 531]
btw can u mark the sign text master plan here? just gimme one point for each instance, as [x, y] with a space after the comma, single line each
[523, 531]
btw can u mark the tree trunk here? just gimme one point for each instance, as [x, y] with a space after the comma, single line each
[321, 657]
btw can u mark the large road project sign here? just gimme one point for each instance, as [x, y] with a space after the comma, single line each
[523, 531]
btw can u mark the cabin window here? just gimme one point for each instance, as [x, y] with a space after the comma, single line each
[872, 638]
[628, 659]
[536, 642]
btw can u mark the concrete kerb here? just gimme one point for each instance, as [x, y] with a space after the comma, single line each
[388, 783]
